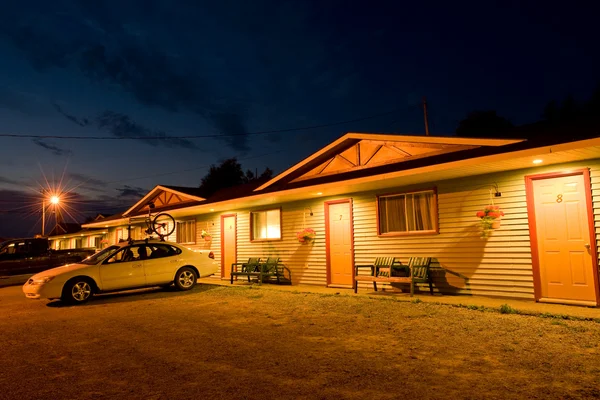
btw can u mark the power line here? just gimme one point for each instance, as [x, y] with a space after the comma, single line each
[190, 169]
[311, 127]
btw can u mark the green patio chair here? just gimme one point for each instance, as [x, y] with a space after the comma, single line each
[419, 272]
[252, 267]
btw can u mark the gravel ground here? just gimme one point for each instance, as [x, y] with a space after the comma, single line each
[250, 343]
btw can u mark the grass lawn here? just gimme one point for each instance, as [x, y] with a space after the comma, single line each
[249, 342]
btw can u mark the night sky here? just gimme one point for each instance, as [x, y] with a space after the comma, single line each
[120, 69]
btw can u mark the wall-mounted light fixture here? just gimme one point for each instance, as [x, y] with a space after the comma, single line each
[497, 192]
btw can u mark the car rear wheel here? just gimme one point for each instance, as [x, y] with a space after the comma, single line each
[77, 291]
[185, 278]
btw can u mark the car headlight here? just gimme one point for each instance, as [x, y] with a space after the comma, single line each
[41, 281]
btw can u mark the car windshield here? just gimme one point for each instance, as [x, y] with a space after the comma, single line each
[100, 256]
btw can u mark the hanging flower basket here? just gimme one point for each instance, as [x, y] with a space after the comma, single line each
[206, 236]
[489, 219]
[306, 235]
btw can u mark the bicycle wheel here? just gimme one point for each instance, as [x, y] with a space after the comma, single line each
[163, 224]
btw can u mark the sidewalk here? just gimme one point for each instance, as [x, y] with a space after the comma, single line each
[520, 306]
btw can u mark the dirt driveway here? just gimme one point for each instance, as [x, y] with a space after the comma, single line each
[220, 342]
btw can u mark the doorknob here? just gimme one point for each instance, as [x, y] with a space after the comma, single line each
[587, 246]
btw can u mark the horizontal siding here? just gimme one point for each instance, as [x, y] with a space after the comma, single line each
[464, 262]
[306, 261]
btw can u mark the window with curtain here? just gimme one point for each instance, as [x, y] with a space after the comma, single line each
[407, 213]
[266, 224]
[186, 231]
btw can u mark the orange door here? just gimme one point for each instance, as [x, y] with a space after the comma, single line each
[566, 266]
[339, 239]
[228, 244]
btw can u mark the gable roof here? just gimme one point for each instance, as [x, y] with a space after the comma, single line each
[365, 152]
[480, 156]
[63, 228]
[76, 233]
[166, 197]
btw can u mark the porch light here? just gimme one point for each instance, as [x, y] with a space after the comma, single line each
[537, 161]
[54, 199]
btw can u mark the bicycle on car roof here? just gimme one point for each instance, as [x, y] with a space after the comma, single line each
[162, 223]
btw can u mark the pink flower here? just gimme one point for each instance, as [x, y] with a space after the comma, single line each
[490, 211]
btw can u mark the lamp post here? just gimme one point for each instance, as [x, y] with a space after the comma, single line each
[43, 215]
[54, 199]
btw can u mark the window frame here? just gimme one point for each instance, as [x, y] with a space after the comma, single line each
[280, 238]
[436, 225]
[194, 234]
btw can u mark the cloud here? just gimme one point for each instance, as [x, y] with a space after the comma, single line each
[147, 74]
[132, 192]
[20, 211]
[232, 123]
[87, 182]
[86, 179]
[9, 181]
[53, 148]
[79, 121]
[23, 102]
[137, 64]
[153, 81]
[122, 126]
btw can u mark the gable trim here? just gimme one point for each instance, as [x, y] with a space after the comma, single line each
[349, 139]
[153, 192]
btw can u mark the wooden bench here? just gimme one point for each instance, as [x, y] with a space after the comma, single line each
[382, 271]
[250, 268]
[271, 268]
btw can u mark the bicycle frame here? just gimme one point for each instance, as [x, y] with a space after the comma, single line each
[162, 224]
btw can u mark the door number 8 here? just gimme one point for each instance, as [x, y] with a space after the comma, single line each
[559, 198]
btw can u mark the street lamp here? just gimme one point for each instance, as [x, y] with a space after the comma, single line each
[54, 199]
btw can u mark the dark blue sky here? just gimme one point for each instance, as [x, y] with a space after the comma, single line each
[119, 69]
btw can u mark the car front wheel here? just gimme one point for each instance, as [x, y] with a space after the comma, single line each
[185, 279]
[77, 291]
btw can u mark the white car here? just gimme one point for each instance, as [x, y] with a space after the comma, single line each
[127, 265]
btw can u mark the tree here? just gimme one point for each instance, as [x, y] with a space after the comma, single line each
[228, 174]
[570, 110]
[484, 124]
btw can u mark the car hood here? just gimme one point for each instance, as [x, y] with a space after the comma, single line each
[61, 270]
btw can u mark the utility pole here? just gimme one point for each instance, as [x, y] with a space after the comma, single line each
[43, 216]
[425, 116]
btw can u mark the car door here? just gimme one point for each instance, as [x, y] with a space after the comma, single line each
[120, 271]
[162, 263]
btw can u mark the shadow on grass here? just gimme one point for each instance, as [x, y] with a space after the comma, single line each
[150, 293]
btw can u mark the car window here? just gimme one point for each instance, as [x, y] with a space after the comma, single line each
[123, 255]
[175, 250]
[162, 250]
[140, 252]
[6, 249]
[100, 256]
[11, 249]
